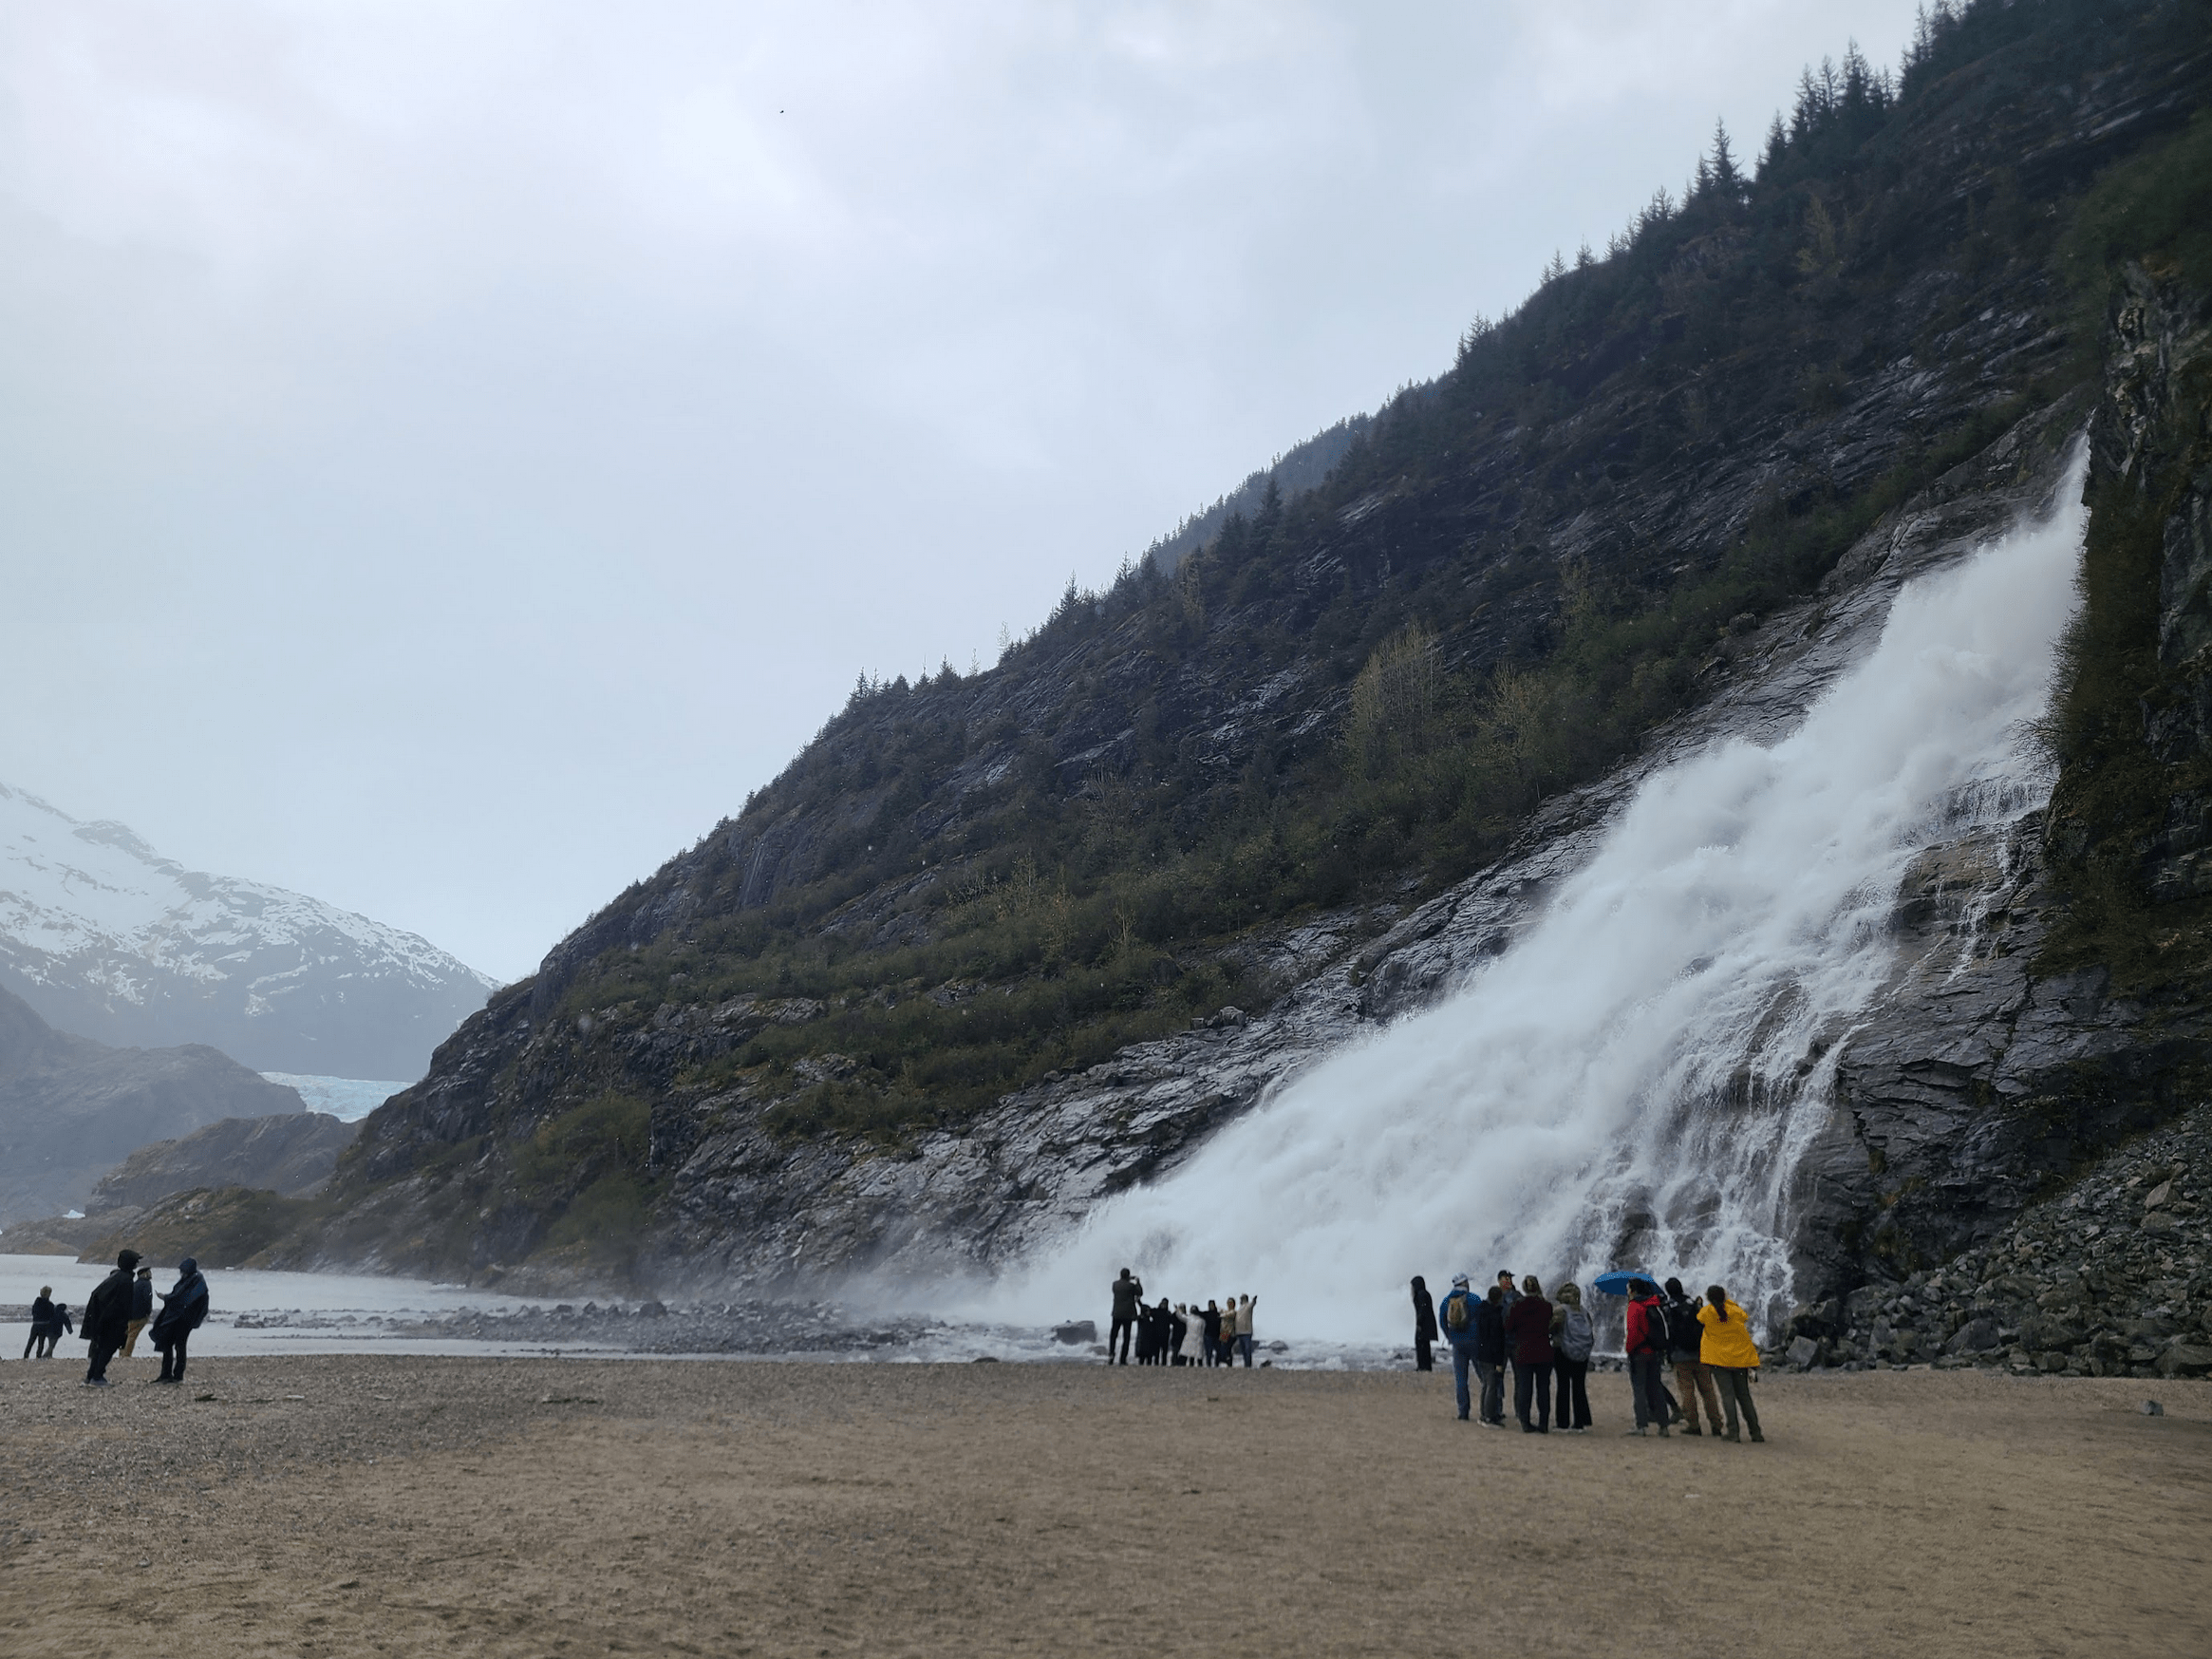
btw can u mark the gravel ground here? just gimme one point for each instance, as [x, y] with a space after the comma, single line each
[395, 1504]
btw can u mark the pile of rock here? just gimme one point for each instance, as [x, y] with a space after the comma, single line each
[2106, 1279]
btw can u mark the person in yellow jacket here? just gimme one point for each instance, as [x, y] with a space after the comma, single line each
[1731, 1355]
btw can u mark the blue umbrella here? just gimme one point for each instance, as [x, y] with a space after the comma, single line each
[1617, 1282]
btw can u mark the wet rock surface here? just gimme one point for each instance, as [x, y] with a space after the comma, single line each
[2112, 1278]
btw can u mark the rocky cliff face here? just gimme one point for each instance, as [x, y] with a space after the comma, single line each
[106, 938]
[71, 1108]
[621, 1093]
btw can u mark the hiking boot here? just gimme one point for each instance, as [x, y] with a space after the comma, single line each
[1696, 1430]
[1759, 1439]
[1733, 1439]
[1638, 1432]
[1663, 1431]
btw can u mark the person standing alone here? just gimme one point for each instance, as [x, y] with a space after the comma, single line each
[1529, 1330]
[107, 1317]
[1425, 1326]
[1128, 1299]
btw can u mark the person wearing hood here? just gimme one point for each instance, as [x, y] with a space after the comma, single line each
[1730, 1356]
[1425, 1324]
[1572, 1337]
[1459, 1330]
[1647, 1356]
[183, 1305]
[107, 1317]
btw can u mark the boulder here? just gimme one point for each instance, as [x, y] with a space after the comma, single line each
[1802, 1350]
[1976, 1336]
[2184, 1359]
[1077, 1330]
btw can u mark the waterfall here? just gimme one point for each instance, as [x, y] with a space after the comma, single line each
[1637, 1076]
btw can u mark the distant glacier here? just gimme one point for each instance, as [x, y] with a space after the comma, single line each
[349, 1099]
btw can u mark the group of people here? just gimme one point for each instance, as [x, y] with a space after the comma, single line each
[1548, 1342]
[119, 1310]
[1178, 1334]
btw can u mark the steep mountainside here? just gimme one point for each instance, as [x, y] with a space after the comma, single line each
[71, 1108]
[106, 938]
[992, 947]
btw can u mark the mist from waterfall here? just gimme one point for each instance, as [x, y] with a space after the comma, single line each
[1632, 1082]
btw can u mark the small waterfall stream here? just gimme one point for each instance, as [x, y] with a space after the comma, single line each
[1629, 1085]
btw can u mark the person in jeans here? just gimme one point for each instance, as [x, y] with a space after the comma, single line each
[1731, 1356]
[1128, 1304]
[1685, 1342]
[1425, 1326]
[1490, 1356]
[1529, 1330]
[1647, 1354]
[1458, 1318]
[1245, 1328]
[1572, 1337]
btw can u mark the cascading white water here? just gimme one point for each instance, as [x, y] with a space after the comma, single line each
[1640, 1068]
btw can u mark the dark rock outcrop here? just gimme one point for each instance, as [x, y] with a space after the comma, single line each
[71, 1108]
[291, 1154]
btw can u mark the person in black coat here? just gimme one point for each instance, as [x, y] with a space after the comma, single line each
[49, 1324]
[1424, 1325]
[107, 1317]
[183, 1305]
[1490, 1355]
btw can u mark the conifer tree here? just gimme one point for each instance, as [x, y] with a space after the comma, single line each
[1727, 177]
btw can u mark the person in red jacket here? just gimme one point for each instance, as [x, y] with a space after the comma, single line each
[1529, 1334]
[1647, 1353]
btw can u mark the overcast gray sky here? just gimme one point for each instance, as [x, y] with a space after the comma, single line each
[451, 451]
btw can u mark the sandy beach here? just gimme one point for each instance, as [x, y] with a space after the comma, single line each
[403, 1504]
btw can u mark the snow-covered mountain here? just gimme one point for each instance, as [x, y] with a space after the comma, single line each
[107, 940]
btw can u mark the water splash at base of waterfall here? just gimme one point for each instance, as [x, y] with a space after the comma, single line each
[1632, 1084]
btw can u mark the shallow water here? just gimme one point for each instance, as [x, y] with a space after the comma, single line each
[321, 1312]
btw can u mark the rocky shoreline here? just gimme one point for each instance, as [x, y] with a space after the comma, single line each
[2105, 1279]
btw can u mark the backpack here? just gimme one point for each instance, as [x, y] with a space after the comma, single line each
[1684, 1334]
[1576, 1335]
[1456, 1318]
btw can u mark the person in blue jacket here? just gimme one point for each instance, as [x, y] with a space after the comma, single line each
[1457, 1318]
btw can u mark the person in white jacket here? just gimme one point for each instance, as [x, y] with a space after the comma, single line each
[1245, 1328]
